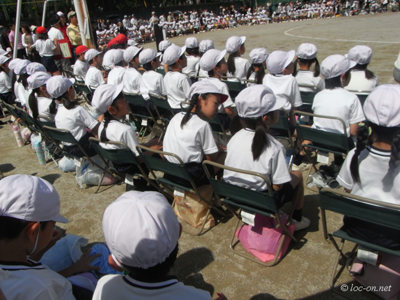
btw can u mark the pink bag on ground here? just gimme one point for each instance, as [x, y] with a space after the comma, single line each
[263, 239]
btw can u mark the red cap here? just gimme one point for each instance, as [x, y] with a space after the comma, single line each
[81, 49]
[41, 30]
[119, 39]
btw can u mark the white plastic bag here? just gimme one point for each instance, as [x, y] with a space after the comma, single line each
[66, 164]
[90, 174]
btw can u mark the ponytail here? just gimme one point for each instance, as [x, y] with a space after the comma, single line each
[107, 119]
[362, 141]
[68, 103]
[231, 62]
[23, 79]
[394, 162]
[260, 140]
[33, 104]
[316, 68]
[259, 75]
[188, 115]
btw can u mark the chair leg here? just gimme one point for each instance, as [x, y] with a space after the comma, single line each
[100, 181]
[336, 274]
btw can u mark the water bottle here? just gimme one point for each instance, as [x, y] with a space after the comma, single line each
[17, 135]
[39, 152]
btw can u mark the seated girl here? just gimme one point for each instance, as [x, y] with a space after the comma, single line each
[72, 116]
[237, 65]
[189, 135]
[372, 169]
[308, 79]
[252, 148]
[258, 59]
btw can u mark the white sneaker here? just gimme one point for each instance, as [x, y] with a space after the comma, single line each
[304, 223]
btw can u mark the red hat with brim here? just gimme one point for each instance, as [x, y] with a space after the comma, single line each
[81, 49]
[41, 30]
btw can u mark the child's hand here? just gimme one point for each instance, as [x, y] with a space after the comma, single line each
[83, 264]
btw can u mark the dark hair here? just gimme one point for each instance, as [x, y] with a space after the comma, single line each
[148, 66]
[23, 78]
[309, 62]
[33, 104]
[192, 51]
[259, 74]
[67, 103]
[260, 140]
[11, 228]
[107, 118]
[381, 133]
[193, 103]
[27, 29]
[155, 273]
[231, 62]
[42, 36]
[211, 72]
[368, 74]
[335, 82]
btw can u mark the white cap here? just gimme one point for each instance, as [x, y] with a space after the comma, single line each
[397, 62]
[233, 43]
[360, 54]
[115, 56]
[34, 67]
[4, 59]
[256, 101]
[258, 55]
[163, 45]
[60, 14]
[147, 55]
[20, 66]
[382, 106]
[141, 229]
[172, 54]
[13, 63]
[191, 42]
[29, 198]
[206, 86]
[211, 58]
[58, 85]
[278, 60]
[38, 79]
[104, 96]
[307, 51]
[335, 65]
[132, 42]
[90, 54]
[205, 45]
[130, 53]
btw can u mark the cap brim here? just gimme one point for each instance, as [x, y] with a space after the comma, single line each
[60, 219]
[223, 97]
[352, 64]
[222, 55]
[118, 91]
[290, 57]
[72, 80]
[242, 40]
[183, 49]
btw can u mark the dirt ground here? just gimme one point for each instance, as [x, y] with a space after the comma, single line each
[207, 261]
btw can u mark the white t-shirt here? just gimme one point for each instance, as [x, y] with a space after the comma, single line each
[44, 108]
[190, 69]
[94, 77]
[44, 47]
[119, 132]
[372, 168]
[132, 80]
[55, 33]
[271, 162]
[125, 287]
[242, 66]
[286, 88]
[359, 83]
[308, 83]
[80, 69]
[37, 282]
[21, 94]
[178, 86]
[192, 141]
[337, 103]
[5, 83]
[116, 75]
[152, 82]
[223, 88]
[76, 120]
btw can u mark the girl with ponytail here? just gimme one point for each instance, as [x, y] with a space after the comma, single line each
[258, 59]
[237, 65]
[252, 148]
[189, 134]
[39, 101]
[308, 80]
[372, 169]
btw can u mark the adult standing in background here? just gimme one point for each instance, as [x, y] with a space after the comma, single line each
[73, 33]
[55, 34]
[158, 35]
[20, 48]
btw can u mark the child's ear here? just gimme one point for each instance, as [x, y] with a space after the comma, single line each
[114, 264]
[31, 231]
[112, 110]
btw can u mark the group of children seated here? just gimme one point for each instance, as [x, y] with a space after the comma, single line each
[274, 81]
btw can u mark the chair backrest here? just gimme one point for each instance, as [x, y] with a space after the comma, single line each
[28, 121]
[82, 88]
[283, 122]
[162, 106]
[362, 98]
[249, 200]
[61, 135]
[323, 140]
[121, 156]
[234, 87]
[139, 106]
[307, 97]
[368, 210]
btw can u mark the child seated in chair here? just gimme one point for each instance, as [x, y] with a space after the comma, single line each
[189, 135]
[252, 148]
[372, 169]
[142, 232]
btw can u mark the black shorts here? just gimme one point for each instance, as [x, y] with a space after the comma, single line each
[48, 62]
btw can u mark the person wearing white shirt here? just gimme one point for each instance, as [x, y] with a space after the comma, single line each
[94, 77]
[192, 57]
[132, 77]
[56, 35]
[362, 80]
[189, 135]
[237, 66]
[116, 75]
[308, 81]
[81, 66]
[371, 170]
[152, 82]
[5, 80]
[256, 73]
[334, 100]
[252, 148]
[176, 83]
[45, 46]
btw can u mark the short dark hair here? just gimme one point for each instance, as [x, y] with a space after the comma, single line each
[11, 228]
